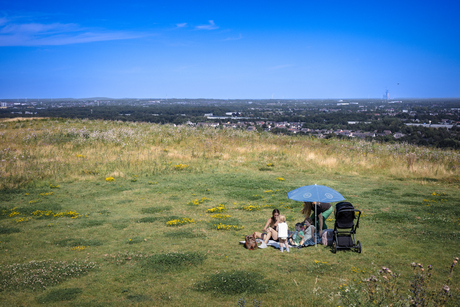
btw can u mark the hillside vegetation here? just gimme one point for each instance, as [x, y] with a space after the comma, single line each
[106, 212]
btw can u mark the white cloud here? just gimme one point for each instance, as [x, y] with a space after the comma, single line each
[233, 38]
[181, 25]
[39, 34]
[210, 26]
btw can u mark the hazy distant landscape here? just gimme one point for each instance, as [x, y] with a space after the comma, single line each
[426, 122]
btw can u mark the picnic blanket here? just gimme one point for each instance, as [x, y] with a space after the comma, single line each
[272, 243]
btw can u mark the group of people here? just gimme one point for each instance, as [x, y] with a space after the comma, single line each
[276, 227]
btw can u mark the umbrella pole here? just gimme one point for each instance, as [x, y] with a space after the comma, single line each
[316, 227]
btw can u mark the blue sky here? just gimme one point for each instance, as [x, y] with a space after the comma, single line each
[229, 49]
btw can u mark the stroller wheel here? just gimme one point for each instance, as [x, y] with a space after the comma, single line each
[358, 248]
[334, 247]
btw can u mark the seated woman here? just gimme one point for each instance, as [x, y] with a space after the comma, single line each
[309, 233]
[270, 230]
[323, 210]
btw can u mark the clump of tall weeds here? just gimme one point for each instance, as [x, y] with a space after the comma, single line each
[384, 289]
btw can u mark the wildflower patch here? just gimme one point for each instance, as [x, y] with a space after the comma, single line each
[179, 222]
[197, 202]
[249, 207]
[222, 226]
[51, 214]
[220, 208]
[220, 216]
[37, 275]
[179, 167]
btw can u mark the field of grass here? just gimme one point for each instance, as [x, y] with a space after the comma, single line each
[100, 213]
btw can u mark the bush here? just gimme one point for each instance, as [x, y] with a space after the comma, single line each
[236, 282]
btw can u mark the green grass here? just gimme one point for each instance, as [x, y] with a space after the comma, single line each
[402, 220]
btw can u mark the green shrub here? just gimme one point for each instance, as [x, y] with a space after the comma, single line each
[236, 282]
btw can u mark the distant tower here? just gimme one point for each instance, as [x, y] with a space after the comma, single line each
[387, 95]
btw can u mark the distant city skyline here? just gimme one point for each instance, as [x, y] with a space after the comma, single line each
[230, 50]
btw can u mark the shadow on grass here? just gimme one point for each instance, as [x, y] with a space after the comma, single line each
[173, 261]
[77, 242]
[8, 230]
[236, 282]
[59, 295]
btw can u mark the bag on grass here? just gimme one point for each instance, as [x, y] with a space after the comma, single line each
[250, 243]
[327, 237]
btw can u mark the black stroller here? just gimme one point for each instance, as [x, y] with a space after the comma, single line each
[345, 228]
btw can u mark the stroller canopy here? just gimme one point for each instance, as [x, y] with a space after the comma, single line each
[345, 215]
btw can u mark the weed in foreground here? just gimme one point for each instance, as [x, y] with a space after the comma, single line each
[384, 290]
[236, 282]
[173, 261]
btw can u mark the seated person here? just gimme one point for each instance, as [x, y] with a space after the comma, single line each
[309, 233]
[296, 237]
[270, 230]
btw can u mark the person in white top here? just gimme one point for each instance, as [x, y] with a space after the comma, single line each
[283, 233]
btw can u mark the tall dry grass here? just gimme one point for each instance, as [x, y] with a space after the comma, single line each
[76, 149]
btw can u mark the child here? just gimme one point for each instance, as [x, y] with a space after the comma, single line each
[283, 233]
[309, 232]
[296, 237]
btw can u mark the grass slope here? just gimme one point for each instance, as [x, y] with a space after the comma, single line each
[102, 213]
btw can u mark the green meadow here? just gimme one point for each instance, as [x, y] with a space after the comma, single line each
[103, 213]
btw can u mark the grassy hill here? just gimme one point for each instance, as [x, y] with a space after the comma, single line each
[101, 213]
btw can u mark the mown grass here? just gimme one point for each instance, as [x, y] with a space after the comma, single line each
[410, 213]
